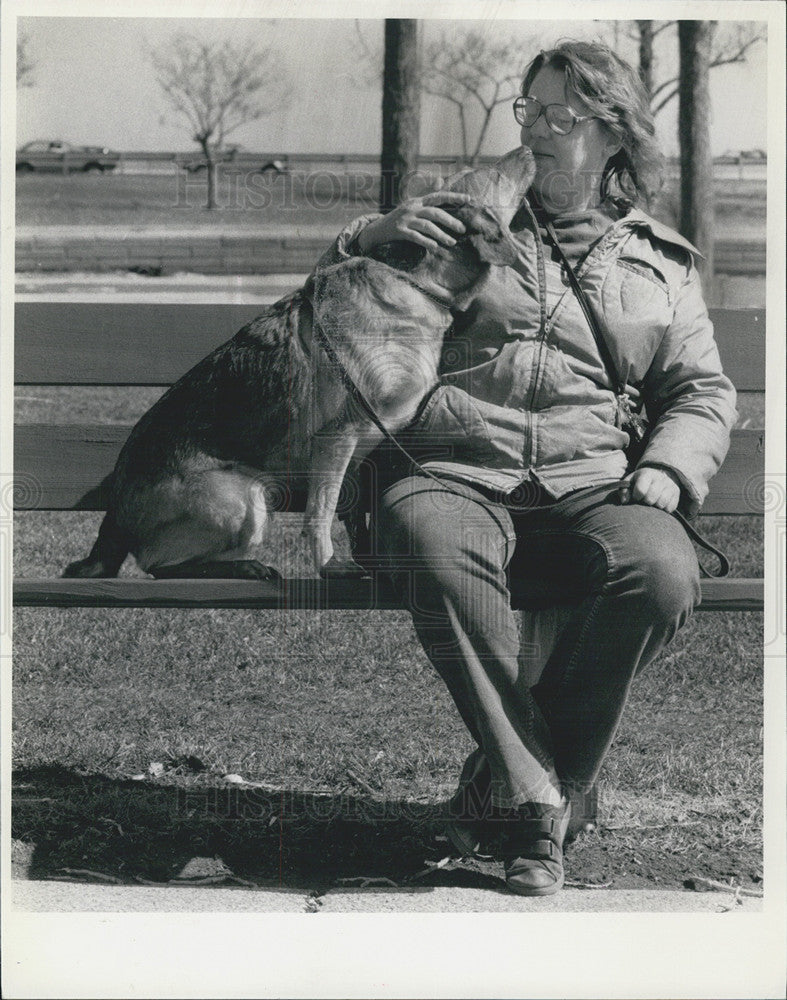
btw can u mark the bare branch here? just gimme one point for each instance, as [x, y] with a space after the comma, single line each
[727, 51]
[369, 59]
[730, 51]
[663, 86]
[662, 26]
[24, 66]
[469, 68]
[666, 99]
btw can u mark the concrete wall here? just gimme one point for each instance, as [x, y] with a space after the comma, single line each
[101, 250]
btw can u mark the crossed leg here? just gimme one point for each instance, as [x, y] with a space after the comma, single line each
[631, 572]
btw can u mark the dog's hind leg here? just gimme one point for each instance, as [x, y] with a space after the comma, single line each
[212, 532]
[107, 555]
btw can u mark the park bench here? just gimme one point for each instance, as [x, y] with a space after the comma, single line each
[63, 467]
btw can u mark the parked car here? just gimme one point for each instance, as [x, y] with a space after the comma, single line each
[196, 162]
[42, 154]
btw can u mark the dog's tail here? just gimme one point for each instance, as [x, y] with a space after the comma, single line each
[107, 555]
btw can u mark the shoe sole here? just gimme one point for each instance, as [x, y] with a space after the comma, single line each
[545, 890]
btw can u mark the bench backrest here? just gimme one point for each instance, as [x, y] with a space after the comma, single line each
[61, 467]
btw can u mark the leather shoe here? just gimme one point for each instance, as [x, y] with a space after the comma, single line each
[533, 849]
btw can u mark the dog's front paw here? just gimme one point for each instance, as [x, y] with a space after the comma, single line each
[342, 569]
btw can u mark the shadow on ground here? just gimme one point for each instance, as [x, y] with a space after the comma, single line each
[94, 827]
[134, 830]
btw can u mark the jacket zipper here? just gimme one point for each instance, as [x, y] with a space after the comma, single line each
[546, 323]
[543, 326]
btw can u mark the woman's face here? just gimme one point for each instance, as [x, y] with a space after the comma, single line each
[568, 167]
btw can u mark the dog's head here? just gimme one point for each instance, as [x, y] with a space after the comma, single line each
[501, 186]
[496, 192]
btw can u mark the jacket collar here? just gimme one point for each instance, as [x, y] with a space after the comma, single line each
[636, 218]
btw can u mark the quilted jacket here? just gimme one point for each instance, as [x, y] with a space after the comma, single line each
[524, 392]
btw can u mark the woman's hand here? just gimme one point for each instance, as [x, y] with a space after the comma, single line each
[417, 220]
[653, 487]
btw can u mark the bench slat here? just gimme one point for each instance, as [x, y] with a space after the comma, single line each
[123, 343]
[717, 595]
[740, 336]
[143, 343]
[59, 467]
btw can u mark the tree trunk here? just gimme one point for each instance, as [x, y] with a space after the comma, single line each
[645, 29]
[212, 173]
[210, 170]
[696, 168]
[401, 110]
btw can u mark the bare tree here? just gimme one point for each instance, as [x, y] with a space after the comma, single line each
[24, 66]
[696, 174]
[472, 71]
[731, 44]
[218, 86]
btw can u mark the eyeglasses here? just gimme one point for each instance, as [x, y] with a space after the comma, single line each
[558, 117]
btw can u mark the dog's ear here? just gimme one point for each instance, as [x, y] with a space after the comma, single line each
[500, 250]
[488, 236]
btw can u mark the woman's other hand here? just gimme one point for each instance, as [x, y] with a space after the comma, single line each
[417, 220]
[653, 487]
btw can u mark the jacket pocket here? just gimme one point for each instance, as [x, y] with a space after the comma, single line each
[637, 311]
[647, 270]
[475, 431]
[452, 419]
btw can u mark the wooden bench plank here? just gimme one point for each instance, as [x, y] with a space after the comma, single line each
[142, 343]
[118, 343]
[293, 594]
[57, 467]
[740, 335]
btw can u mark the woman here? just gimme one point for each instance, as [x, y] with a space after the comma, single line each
[532, 497]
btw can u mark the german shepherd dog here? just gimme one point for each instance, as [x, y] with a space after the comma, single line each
[190, 493]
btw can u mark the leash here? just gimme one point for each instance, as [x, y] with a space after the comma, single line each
[636, 427]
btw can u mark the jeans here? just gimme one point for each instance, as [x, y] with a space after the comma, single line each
[456, 553]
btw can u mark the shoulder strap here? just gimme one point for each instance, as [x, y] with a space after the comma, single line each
[620, 389]
[591, 317]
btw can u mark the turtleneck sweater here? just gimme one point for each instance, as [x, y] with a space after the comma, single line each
[577, 232]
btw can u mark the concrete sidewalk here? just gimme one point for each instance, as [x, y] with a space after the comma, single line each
[50, 896]
[266, 250]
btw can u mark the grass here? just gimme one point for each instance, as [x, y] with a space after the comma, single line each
[340, 717]
[250, 201]
[177, 200]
